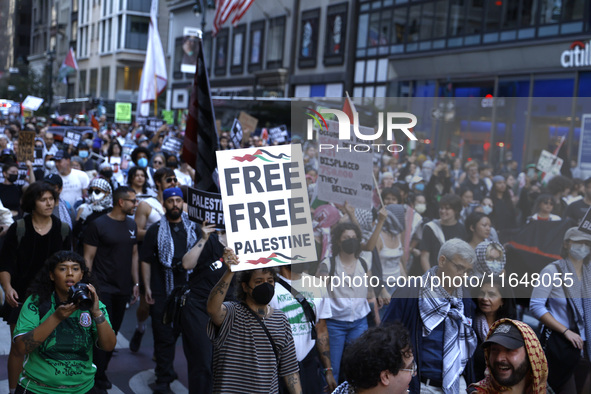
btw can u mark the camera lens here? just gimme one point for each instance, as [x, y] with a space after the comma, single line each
[80, 295]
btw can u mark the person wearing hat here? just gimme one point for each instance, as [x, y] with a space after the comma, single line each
[162, 271]
[515, 360]
[63, 209]
[565, 311]
[75, 182]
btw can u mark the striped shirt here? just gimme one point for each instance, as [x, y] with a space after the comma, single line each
[243, 357]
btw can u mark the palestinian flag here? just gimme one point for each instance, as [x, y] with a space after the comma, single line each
[68, 66]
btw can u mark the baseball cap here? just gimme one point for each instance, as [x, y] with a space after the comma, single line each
[506, 335]
[54, 179]
[62, 154]
[574, 234]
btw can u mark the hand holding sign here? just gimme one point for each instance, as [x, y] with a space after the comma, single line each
[206, 230]
[230, 258]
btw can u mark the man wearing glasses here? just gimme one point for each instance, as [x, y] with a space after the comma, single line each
[111, 253]
[379, 361]
[435, 311]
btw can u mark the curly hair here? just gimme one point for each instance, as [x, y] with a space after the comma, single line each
[43, 287]
[131, 175]
[335, 236]
[379, 349]
[137, 151]
[34, 192]
[244, 277]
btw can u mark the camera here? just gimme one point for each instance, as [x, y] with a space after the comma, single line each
[80, 295]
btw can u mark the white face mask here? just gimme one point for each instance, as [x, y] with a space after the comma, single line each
[420, 208]
[579, 251]
[50, 164]
[96, 197]
[486, 209]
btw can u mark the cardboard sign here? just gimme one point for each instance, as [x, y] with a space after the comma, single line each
[172, 145]
[26, 146]
[72, 137]
[343, 175]
[206, 206]
[265, 200]
[248, 122]
[279, 134]
[123, 113]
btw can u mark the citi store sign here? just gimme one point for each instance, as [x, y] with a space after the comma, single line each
[579, 55]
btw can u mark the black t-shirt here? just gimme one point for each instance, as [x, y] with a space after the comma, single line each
[576, 210]
[11, 196]
[431, 244]
[479, 190]
[209, 270]
[115, 241]
[149, 254]
[25, 259]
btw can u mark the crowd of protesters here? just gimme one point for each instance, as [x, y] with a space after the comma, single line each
[117, 203]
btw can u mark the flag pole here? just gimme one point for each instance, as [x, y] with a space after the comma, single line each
[155, 96]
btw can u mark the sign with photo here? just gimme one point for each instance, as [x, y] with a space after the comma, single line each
[189, 46]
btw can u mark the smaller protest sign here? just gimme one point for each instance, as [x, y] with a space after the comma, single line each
[191, 37]
[168, 116]
[26, 146]
[548, 162]
[236, 134]
[248, 122]
[32, 103]
[172, 145]
[204, 206]
[123, 112]
[72, 137]
[279, 134]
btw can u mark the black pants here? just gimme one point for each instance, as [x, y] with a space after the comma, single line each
[115, 305]
[165, 337]
[197, 346]
[310, 375]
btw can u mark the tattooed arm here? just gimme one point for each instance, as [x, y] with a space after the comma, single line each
[190, 258]
[323, 347]
[215, 307]
[29, 341]
[293, 383]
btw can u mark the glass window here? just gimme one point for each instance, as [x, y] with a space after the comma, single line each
[456, 17]
[362, 31]
[585, 84]
[105, 72]
[136, 35]
[276, 42]
[255, 56]
[82, 84]
[128, 78]
[238, 45]
[399, 21]
[93, 82]
[139, 5]
[385, 26]
[427, 21]
[474, 13]
[221, 52]
[74, 33]
[493, 16]
[510, 14]
[414, 18]
[550, 11]
[554, 87]
[573, 10]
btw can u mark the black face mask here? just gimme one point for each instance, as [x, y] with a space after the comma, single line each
[107, 173]
[263, 293]
[350, 246]
[12, 178]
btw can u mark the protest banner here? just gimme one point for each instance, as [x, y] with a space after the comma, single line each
[123, 113]
[265, 200]
[205, 206]
[249, 123]
[26, 146]
[72, 137]
[172, 145]
[279, 134]
[168, 116]
[344, 174]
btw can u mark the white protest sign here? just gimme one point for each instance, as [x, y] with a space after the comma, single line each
[278, 134]
[343, 173]
[549, 163]
[266, 209]
[33, 103]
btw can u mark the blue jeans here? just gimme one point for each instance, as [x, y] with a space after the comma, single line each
[341, 334]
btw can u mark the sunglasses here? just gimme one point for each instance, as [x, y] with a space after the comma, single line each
[171, 179]
[158, 162]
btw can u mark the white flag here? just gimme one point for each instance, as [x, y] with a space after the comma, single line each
[154, 76]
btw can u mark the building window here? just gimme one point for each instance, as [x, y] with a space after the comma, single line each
[136, 34]
[336, 28]
[93, 82]
[128, 78]
[257, 37]
[105, 73]
[138, 5]
[238, 45]
[221, 52]
[309, 38]
[82, 83]
[276, 43]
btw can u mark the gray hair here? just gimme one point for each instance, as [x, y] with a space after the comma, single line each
[457, 247]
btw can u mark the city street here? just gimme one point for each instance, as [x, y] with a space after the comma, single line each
[129, 372]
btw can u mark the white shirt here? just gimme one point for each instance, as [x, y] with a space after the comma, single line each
[300, 327]
[74, 183]
[184, 179]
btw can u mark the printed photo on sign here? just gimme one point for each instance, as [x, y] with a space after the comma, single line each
[205, 206]
[266, 206]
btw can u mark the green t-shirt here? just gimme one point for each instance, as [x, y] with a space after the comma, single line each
[63, 363]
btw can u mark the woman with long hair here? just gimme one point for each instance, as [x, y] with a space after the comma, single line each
[29, 242]
[62, 319]
[478, 228]
[137, 179]
[543, 206]
[504, 215]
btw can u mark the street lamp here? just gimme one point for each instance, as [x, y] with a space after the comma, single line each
[199, 10]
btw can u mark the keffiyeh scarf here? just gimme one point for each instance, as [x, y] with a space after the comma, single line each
[436, 306]
[166, 247]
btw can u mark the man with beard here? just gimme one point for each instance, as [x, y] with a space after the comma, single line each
[515, 360]
[162, 271]
[252, 342]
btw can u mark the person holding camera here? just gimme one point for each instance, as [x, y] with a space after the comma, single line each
[62, 318]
